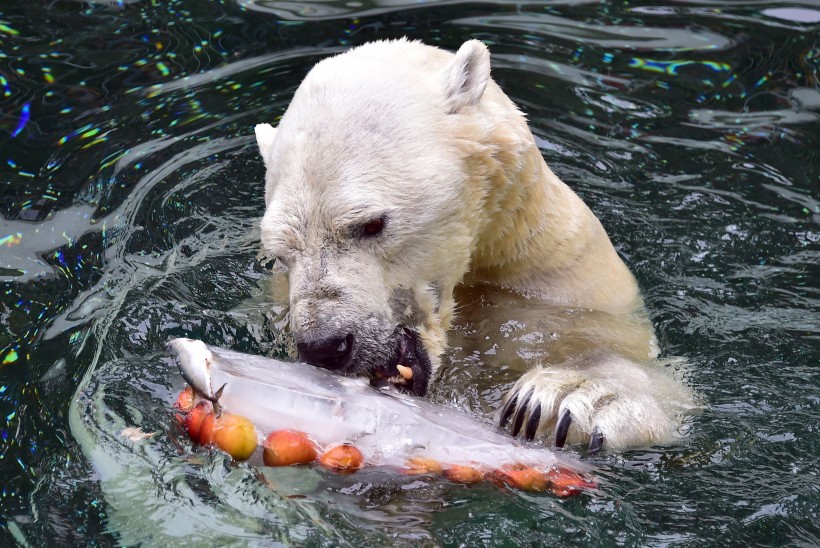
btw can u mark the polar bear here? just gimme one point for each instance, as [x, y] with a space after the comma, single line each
[401, 175]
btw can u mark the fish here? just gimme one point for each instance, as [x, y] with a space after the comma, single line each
[390, 427]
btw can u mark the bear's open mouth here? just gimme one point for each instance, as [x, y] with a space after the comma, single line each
[408, 369]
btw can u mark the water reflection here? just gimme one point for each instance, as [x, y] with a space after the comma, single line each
[128, 216]
[618, 37]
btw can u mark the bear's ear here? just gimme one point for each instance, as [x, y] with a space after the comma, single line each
[467, 76]
[264, 138]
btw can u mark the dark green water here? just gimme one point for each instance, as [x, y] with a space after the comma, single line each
[130, 188]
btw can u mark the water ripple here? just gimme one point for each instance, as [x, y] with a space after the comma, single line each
[129, 215]
[619, 37]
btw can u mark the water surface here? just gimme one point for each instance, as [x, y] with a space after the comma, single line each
[131, 189]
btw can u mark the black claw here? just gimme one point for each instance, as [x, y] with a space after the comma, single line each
[518, 421]
[509, 407]
[562, 428]
[532, 422]
[596, 442]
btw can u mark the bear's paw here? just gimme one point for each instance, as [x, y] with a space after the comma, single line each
[612, 403]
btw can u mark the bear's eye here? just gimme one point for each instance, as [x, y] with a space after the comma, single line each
[373, 227]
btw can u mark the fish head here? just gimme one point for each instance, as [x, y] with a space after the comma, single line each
[194, 360]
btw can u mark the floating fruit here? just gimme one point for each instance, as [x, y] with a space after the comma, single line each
[523, 477]
[463, 474]
[206, 429]
[344, 459]
[421, 465]
[184, 403]
[185, 400]
[233, 434]
[195, 418]
[286, 447]
[564, 482]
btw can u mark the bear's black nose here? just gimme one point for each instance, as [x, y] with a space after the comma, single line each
[331, 353]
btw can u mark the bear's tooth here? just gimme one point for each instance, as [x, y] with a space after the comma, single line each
[405, 372]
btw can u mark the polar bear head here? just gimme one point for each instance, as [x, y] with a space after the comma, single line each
[370, 205]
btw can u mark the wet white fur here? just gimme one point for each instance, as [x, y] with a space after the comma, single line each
[629, 404]
[427, 137]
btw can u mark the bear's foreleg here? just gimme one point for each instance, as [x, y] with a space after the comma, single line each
[596, 400]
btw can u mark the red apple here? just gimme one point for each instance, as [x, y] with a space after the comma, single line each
[206, 429]
[195, 418]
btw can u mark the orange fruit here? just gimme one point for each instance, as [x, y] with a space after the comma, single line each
[344, 459]
[523, 477]
[185, 400]
[463, 474]
[286, 447]
[421, 465]
[234, 434]
[564, 482]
